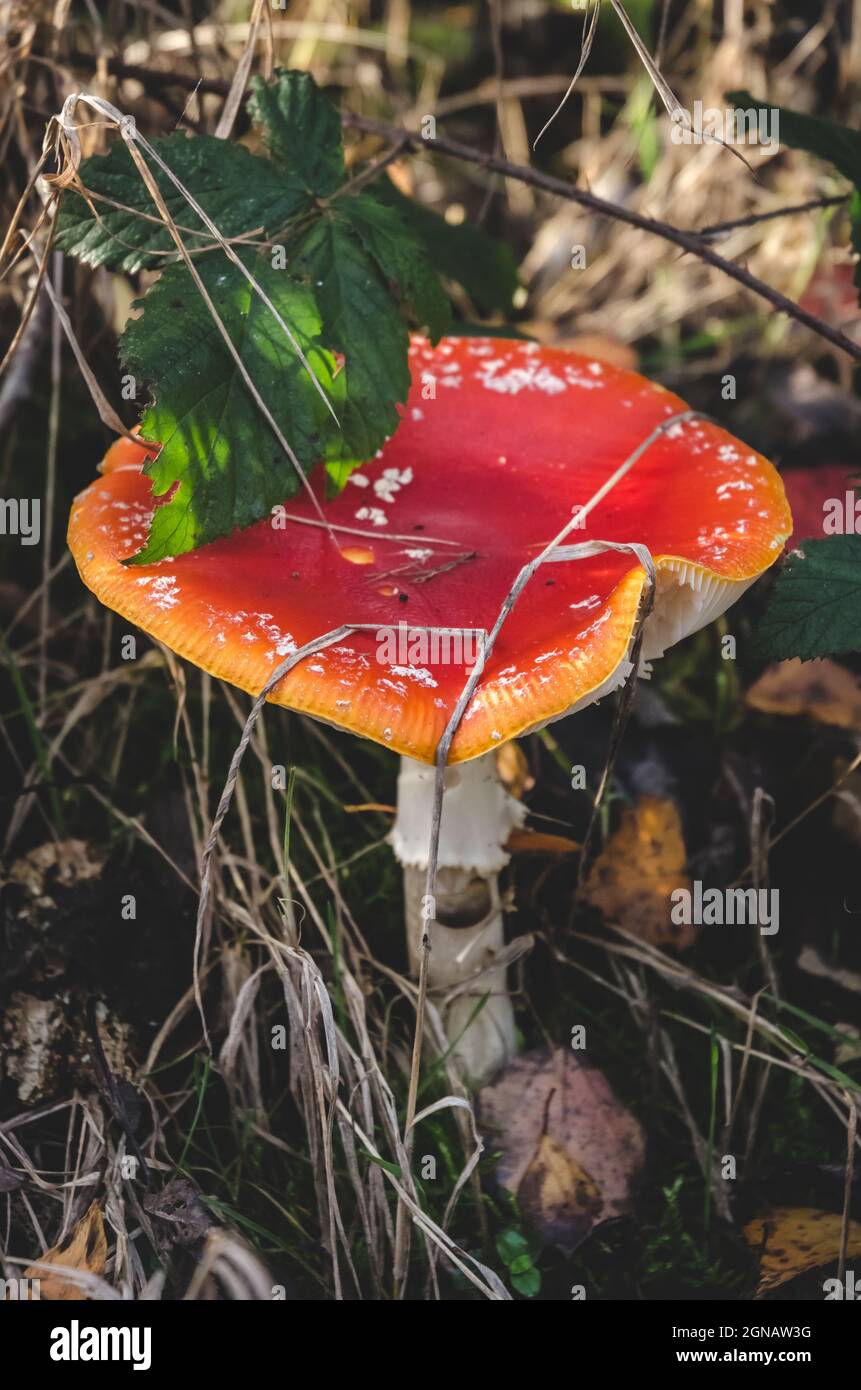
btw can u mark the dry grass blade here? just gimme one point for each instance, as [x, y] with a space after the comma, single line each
[590, 25]
[240, 76]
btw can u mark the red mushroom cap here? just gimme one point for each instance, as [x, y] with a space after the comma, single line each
[499, 443]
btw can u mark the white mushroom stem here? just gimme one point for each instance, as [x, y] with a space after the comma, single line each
[466, 931]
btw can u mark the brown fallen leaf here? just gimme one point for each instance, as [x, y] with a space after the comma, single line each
[86, 1251]
[569, 1151]
[641, 864]
[792, 1240]
[181, 1219]
[821, 689]
[525, 841]
[63, 862]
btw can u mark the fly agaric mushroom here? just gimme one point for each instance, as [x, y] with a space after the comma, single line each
[500, 444]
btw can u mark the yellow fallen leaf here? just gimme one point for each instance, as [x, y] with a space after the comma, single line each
[566, 1147]
[820, 689]
[87, 1251]
[558, 1196]
[792, 1240]
[641, 864]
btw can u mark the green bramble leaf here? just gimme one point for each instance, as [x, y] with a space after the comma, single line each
[484, 267]
[301, 128]
[362, 322]
[400, 258]
[815, 609]
[237, 190]
[218, 451]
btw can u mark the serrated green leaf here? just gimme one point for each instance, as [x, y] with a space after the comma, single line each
[385, 236]
[362, 323]
[339, 471]
[815, 135]
[301, 128]
[239, 191]
[216, 444]
[815, 609]
[483, 266]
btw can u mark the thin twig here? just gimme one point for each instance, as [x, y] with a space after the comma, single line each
[812, 205]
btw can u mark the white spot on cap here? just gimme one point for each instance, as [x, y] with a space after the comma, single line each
[419, 674]
[391, 481]
[527, 378]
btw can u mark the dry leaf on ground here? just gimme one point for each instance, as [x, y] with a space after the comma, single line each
[513, 769]
[813, 963]
[181, 1219]
[641, 864]
[522, 840]
[569, 1150]
[821, 689]
[792, 1240]
[62, 862]
[86, 1251]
